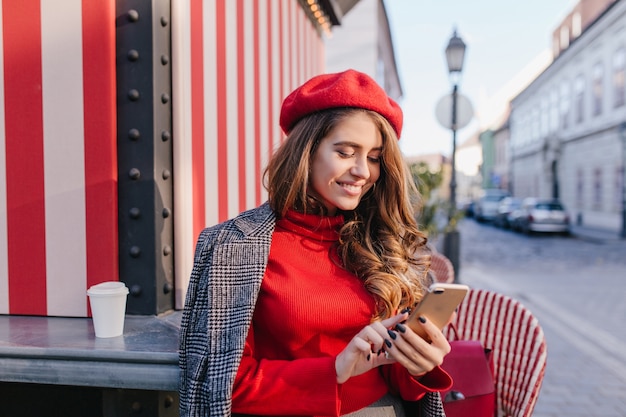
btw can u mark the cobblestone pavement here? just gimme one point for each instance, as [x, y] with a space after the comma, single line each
[576, 288]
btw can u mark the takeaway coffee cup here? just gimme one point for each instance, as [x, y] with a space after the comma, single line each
[108, 308]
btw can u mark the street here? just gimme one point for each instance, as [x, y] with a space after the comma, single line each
[576, 288]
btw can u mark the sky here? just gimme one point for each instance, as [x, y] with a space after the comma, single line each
[508, 42]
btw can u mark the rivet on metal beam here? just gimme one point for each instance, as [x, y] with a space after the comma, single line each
[166, 174]
[133, 15]
[167, 288]
[135, 291]
[165, 98]
[134, 212]
[165, 59]
[166, 213]
[164, 21]
[134, 134]
[134, 173]
[165, 136]
[167, 250]
[135, 251]
[133, 55]
[133, 95]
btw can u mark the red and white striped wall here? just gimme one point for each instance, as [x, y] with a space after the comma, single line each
[58, 196]
[233, 63]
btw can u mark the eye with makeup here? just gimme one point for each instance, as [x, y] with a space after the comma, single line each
[344, 153]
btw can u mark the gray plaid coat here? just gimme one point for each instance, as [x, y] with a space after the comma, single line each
[229, 265]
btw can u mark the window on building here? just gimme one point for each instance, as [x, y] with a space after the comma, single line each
[534, 124]
[564, 37]
[579, 188]
[544, 128]
[576, 25]
[597, 188]
[554, 111]
[619, 70]
[565, 104]
[597, 91]
[579, 98]
[619, 180]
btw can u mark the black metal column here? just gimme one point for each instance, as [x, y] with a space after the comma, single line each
[144, 126]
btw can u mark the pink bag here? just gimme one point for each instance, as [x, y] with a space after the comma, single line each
[473, 392]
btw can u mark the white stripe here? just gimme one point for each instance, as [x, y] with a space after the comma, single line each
[263, 90]
[184, 239]
[286, 57]
[232, 112]
[4, 257]
[296, 52]
[276, 81]
[302, 25]
[64, 170]
[252, 177]
[210, 112]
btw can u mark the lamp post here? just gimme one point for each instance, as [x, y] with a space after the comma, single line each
[455, 54]
[622, 135]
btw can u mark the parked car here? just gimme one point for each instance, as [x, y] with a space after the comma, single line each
[487, 206]
[541, 215]
[507, 206]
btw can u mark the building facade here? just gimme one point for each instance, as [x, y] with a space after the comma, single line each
[565, 137]
[363, 42]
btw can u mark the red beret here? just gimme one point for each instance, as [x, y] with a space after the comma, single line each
[344, 89]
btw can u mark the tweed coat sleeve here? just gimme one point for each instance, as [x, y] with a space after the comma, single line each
[229, 264]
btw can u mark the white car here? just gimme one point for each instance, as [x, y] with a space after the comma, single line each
[486, 207]
[542, 215]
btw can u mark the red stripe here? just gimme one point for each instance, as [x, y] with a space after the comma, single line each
[21, 25]
[197, 116]
[99, 102]
[270, 84]
[257, 105]
[241, 108]
[222, 128]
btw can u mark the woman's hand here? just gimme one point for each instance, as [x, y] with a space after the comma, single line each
[414, 353]
[365, 350]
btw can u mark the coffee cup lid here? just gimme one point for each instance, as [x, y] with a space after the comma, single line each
[108, 288]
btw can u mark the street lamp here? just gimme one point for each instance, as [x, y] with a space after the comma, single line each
[622, 134]
[455, 54]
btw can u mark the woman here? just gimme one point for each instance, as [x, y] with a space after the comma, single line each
[296, 307]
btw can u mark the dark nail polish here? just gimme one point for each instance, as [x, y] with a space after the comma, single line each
[379, 352]
[369, 355]
[422, 319]
[392, 334]
[388, 343]
[400, 328]
[406, 310]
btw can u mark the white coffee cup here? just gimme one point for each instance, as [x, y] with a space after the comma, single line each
[108, 308]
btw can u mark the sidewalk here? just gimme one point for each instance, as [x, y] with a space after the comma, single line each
[595, 234]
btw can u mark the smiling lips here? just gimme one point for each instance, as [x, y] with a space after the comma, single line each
[352, 189]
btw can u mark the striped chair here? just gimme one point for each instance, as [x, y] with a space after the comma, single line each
[519, 347]
[441, 267]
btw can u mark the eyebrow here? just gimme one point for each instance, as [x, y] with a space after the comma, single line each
[355, 145]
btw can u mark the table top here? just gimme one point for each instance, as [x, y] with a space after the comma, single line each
[60, 350]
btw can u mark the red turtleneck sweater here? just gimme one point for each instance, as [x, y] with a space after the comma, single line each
[308, 310]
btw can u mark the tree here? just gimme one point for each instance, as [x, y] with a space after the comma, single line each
[428, 181]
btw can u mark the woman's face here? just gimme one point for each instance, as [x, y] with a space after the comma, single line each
[346, 163]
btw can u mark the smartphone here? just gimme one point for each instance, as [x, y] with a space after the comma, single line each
[437, 306]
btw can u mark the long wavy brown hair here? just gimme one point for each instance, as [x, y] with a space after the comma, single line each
[380, 241]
